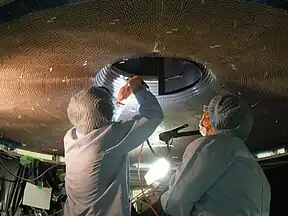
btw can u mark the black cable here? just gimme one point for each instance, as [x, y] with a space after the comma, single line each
[15, 201]
[7, 156]
[16, 191]
[34, 171]
[155, 154]
[7, 180]
[151, 149]
[24, 179]
[10, 193]
[27, 174]
[20, 189]
[49, 181]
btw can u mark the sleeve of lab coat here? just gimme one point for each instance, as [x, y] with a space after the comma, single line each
[140, 127]
[197, 173]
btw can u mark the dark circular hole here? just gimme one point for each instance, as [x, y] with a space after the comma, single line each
[173, 74]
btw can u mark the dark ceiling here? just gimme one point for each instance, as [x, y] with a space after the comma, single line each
[47, 56]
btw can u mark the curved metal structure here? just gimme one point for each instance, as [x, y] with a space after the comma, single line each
[181, 82]
[47, 56]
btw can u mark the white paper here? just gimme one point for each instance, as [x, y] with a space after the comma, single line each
[37, 197]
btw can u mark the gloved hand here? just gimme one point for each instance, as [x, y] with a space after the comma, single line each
[133, 84]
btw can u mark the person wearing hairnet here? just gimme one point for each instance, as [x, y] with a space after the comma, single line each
[96, 148]
[218, 175]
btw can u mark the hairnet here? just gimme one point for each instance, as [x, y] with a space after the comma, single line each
[230, 114]
[90, 109]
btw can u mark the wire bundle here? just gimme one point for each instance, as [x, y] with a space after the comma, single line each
[16, 186]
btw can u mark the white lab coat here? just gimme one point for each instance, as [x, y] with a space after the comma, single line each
[218, 177]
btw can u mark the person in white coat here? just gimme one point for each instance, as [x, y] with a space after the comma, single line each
[96, 150]
[218, 175]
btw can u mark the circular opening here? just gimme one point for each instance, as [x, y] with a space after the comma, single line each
[173, 74]
[169, 79]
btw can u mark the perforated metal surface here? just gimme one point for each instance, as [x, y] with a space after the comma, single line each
[45, 57]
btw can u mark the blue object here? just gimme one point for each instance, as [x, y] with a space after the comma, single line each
[11, 143]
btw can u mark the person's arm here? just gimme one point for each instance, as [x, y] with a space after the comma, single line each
[196, 175]
[140, 127]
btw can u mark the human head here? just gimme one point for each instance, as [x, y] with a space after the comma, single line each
[90, 109]
[228, 114]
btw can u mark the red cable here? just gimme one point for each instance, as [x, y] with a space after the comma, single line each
[140, 183]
